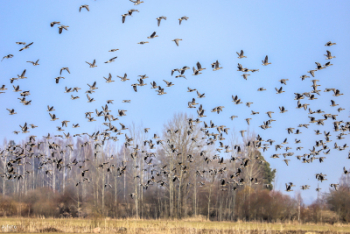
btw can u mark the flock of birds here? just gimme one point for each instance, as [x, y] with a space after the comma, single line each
[98, 138]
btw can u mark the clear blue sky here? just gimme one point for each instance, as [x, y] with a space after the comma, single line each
[291, 33]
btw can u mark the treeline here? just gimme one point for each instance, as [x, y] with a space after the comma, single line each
[180, 174]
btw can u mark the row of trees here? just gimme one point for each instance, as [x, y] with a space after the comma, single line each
[180, 174]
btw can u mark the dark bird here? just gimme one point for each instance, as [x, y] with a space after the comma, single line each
[153, 35]
[182, 18]
[266, 61]
[84, 6]
[111, 60]
[27, 46]
[60, 28]
[54, 22]
[7, 57]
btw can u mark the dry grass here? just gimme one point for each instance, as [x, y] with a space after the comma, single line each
[193, 225]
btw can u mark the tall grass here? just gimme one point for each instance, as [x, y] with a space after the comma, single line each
[199, 225]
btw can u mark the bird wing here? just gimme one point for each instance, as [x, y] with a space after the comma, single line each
[266, 59]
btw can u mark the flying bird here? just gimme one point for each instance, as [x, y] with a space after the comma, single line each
[84, 6]
[160, 18]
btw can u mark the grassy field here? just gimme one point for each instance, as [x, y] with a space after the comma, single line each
[30, 225]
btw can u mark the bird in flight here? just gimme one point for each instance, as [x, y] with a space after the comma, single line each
[182, 18]
[84, 6]
[160, 18]
[177, 41]
[93, 64]
[27, 46]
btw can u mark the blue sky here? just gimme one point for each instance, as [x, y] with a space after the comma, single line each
[291, 33]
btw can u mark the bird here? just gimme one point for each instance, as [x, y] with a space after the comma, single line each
[22, 76]
[303, 77]
[109, 79]
[335, 186]
[93, 86]
[200, 95]
[312, 72]
[7, 57]
[333, 103]
[124, 78]
[160, 18]
[289, 187]
[134, 86]
[132, 11]
[182, 18]
[16, 88]
[93, 64]
[168, 84]
[90, 99]
[136, 2]
[153, 35]
[199, 67]
[53, 117]
[195, 72]
[279, 90]
[319, 66]
[216, 66]
[111, 60]
[330, 43]
[266, 61]
[26, 46]
[241, 54]
[329, 55]
[282, 109]
[177, 41]
[54, 22]
[50, 108]
[245, 76]
[34, 63]
[142, 42]
[11, 111]
[64, 69]
[283, 81]
[60, 28]
[84, 6]
[123, 17]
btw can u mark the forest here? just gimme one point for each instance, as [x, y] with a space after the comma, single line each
[176, 175]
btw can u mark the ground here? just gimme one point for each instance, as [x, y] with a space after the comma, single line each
[49, 225]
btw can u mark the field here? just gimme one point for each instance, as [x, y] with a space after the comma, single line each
[49, 225]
